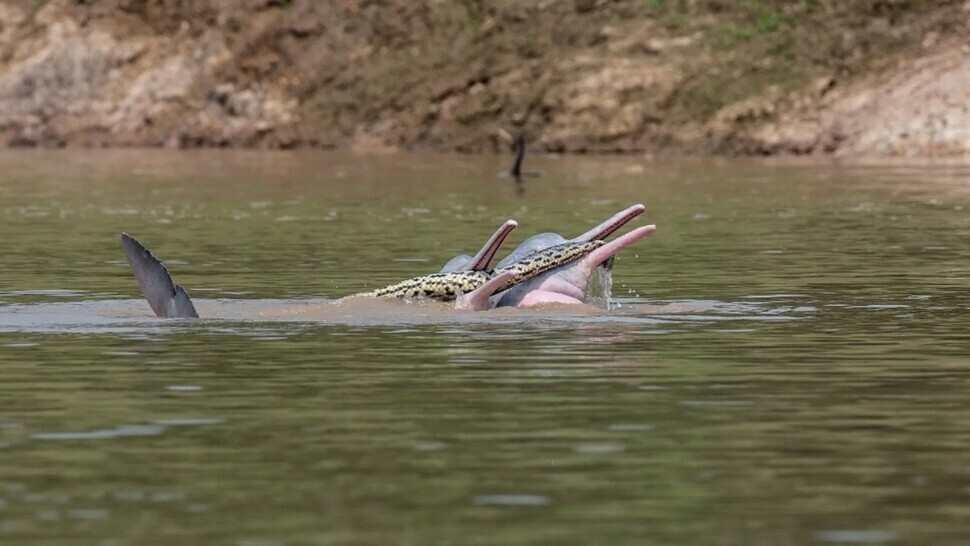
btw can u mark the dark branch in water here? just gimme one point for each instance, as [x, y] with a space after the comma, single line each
[519, 144]
[516, 172]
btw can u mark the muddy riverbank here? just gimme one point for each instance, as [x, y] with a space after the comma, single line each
[881, 77]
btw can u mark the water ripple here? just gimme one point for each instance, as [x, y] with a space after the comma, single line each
[512, 500]
[102, 434]
[855, 536]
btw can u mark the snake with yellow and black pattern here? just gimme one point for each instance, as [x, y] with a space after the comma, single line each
[449, 286]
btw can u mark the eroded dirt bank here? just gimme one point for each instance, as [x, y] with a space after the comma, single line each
[889, 77]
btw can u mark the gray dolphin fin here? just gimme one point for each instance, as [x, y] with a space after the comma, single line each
[167, 299]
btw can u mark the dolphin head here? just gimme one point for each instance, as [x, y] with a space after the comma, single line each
[578, 278]
[568, 283]
[526, 269]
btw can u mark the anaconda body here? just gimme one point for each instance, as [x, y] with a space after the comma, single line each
[439, 286]
[448, 286]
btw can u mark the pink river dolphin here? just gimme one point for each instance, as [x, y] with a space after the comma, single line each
[566, 283]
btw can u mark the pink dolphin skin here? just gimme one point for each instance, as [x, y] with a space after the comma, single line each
[477, 300]
[567, 284]
[543, 241]
[480, 261]
[615, 222]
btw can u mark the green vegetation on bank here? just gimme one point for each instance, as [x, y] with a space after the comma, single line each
[759, 43]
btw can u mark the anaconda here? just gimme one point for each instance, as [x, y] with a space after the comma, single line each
[449, 286]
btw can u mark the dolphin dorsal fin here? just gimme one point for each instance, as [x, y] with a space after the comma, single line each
[166, 298]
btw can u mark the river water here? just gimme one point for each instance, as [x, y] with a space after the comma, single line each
[786, 361]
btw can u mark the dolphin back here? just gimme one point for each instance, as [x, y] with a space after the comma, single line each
[166, 298]
[456, 264]
[536, 243]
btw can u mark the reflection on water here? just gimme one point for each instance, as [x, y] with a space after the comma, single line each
[784, 360]
[120, 316]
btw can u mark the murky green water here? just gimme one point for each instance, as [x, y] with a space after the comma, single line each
[789, 362]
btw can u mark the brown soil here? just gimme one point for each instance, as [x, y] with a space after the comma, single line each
[658, 76]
